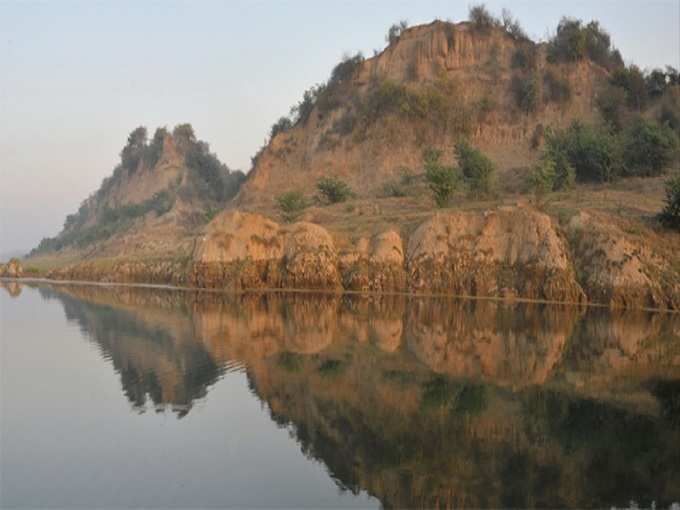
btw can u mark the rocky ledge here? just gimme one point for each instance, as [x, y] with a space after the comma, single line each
[508, 252]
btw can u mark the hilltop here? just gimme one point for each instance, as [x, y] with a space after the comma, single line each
[548, 163]
[157, 196]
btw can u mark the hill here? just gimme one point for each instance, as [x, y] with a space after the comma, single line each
[157, 196]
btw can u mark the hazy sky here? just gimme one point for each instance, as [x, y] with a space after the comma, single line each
[77, 77]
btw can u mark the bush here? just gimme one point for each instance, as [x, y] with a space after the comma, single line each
[594, 153]
[395, 31]
[303, 109]
[648, 148]
[482, 19]
[670, 216]
[478, 170]
[526, 91]
[334, 190]
[442, 180]
[552, 173]
[291, 204]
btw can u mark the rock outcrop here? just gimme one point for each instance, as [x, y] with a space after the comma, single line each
[12, 269]
[243, 250]
[509, 252]
[621, 268]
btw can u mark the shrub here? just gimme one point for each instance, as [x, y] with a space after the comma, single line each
[594, 153]
[526, 91]
[670, 216]
[556, 89]
[553, 172]
[280, 126]
[482, 19]
[669, 114]
[334, 190]
[346, 68]
[648, 148]
[442, 180]
[477, 169]
[395, 31]
[291, 204]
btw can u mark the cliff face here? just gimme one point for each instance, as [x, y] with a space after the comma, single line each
[446, 81]
[508, 252]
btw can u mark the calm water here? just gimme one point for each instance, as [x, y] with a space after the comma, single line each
[122, 397]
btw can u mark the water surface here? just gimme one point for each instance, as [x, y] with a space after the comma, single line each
[126, 397]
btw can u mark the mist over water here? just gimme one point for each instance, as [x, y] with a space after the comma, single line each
[120, 397]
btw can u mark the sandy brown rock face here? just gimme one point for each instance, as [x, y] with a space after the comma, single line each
[376, 265]
[12, 269]
[507, 252]
[619, 268]
[243, 250]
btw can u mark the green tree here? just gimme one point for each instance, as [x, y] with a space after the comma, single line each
[526, 89]
[134, 149]
[442, 180]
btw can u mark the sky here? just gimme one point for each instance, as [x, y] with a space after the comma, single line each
[77, 76]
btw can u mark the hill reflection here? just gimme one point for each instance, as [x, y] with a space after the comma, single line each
[420, 402]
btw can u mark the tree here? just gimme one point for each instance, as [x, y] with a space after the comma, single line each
[334, 190]
[442, 180]
[134, 149]
[395, 31]
[611, 103]
[482, 19]
[184, 136]
[478, 170]
[155, 148]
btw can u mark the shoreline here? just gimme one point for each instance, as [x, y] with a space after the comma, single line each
[158, 286]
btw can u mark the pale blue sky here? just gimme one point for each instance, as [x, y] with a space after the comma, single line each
[76, 77]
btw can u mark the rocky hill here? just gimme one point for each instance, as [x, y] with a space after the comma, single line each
[159, 194]
[433, 85]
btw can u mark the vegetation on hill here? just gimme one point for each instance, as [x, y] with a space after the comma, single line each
[209, 183]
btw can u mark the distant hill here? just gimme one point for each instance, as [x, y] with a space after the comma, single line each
[160, 192]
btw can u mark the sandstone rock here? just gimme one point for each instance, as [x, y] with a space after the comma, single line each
[12, 269]
[377, 265]
[509, 251]
[621, 269]
[243, 250]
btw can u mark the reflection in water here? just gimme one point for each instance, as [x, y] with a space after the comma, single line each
[421, 402]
